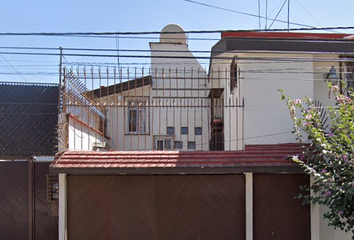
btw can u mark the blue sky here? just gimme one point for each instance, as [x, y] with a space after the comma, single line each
[137, 15]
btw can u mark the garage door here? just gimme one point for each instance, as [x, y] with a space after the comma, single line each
[156, 207]
[277, 215]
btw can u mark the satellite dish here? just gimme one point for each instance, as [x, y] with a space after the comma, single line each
[173, 33]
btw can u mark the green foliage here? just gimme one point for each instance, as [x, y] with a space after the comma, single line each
[329, 157]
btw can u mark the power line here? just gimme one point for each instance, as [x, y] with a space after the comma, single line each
[308, 12]
[278, 13]
[112, 34]
[244, 13]
[14, 68]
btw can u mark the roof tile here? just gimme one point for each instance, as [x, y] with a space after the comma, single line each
[272, 155]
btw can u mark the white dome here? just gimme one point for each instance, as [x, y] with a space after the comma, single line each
[173, 33]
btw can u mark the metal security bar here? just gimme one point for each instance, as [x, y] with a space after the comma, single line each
[151, 109]
[52, 188]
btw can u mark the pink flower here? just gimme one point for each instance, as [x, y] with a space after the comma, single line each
[326, 194]
[309, 116]
[297, 101]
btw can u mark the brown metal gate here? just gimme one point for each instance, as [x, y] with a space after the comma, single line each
[45, 225]
[14, 217]
[24, 210]
[277, 215]
[156, 207]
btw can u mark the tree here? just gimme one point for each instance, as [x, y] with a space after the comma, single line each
[328, 155]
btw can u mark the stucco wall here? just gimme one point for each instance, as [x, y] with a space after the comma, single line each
[81, 137]
[266, 119]
[177, 98]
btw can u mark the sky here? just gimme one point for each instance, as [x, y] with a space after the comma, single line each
[18, 16]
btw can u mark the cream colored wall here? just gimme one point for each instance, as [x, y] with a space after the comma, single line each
[265, 118]
[232, 112]
[81, 137]
[321, 91]
[162, 112]
[179, 84]
[117, 121]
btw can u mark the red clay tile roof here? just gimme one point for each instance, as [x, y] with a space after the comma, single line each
[254, 156]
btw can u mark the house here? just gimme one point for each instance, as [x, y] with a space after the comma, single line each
[164, 107]
[195, 154]
[259, 64]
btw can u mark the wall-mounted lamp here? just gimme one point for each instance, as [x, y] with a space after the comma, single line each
[332, 76]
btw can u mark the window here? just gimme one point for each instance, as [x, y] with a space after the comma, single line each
[163, 142]
[137, 116]
[184, 130]
[191, 145]
[198, 131]
[52, 187]
[233, 75]
[170, 130]
[178, 144]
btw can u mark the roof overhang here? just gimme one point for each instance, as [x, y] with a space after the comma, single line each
[287, 45]
[256, 158]
[105, 91]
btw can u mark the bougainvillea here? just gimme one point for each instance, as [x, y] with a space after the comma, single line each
[328, 154]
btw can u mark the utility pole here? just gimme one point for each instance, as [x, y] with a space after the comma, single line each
[259, 14]
[266, 15]
[288, 15]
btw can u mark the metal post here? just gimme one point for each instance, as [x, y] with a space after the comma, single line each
[60, 74]
[288, 15]
[30, 199]
[266, 15]
[62, 207]
[249, 205]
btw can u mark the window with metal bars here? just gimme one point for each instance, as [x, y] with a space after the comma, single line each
[163, 142]
[52, 188]
[137, 122]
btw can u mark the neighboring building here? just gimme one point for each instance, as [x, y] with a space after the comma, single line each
[163, 125]
[165, 107]
[28, 143]
[261, 63]
[28, 120]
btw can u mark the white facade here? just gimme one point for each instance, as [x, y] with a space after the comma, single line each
[173, 107]
[266, 118]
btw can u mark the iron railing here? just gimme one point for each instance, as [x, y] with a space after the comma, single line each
[154, 109]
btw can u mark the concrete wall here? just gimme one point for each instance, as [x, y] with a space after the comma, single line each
[266, 118]
[321, 91]
[162, 111]
[177, 98]
[81, 136]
